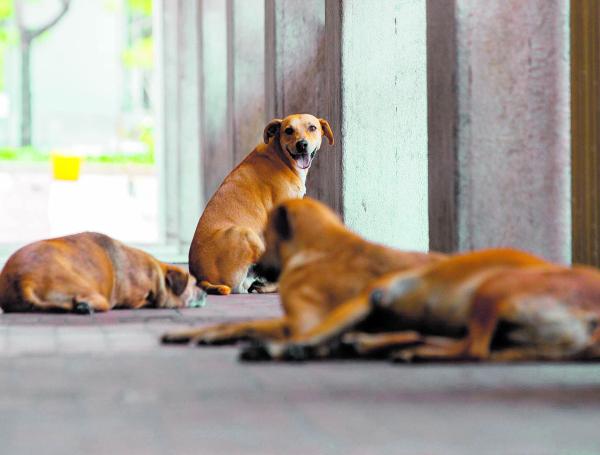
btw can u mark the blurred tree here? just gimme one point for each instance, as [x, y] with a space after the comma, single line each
[26, 37]
[138, 55]
[7, 35]
[141, 6]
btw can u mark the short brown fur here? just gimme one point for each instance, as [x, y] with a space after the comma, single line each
[540, 310]
[90, 272]
[322, 264]
[228, 238]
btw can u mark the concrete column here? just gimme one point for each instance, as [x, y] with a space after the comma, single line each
[179, 142]
[218, 155]
[377, 95]
[245, 74]
[502, 104]
[295, 75]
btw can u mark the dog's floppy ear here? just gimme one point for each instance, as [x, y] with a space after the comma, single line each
[272, 129]
[176, 280]
[326, 130]
[281, 222]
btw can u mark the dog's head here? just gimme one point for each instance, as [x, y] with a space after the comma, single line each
[181, 289]
[293, 226]
[299, 137]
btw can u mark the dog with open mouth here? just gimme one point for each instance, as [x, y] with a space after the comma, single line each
[228, 239]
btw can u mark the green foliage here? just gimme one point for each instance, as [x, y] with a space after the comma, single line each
[137, 158]
[147, 137]
[23, 154]
[6, 9]
[7, 36]
[34, 155]
[140, 54]
[140, 6]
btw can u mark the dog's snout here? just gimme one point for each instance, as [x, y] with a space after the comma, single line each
[302, 146]
[268, 272]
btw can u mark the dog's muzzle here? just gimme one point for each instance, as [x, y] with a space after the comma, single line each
[197, 300]
[271, 274]
[303, 160]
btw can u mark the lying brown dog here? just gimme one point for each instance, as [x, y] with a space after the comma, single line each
[498, 304]
[228, 238]
[322, 264]
[91, 272]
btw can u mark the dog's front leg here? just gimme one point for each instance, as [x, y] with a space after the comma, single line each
[369, 343]
[266, 329]
[313, 343]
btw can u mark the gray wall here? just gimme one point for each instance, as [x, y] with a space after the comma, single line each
[500, 126]
[482, 161]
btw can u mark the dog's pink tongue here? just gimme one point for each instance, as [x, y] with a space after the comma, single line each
[303, 161]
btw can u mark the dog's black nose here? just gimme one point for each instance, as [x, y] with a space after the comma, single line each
[302, 146]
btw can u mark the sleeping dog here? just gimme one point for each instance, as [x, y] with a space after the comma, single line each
[89, 272]
[497, 305]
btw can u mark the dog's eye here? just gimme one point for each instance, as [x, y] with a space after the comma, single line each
[312, 128]
[289, 130]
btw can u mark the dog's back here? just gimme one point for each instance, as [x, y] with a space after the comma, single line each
[28, 277]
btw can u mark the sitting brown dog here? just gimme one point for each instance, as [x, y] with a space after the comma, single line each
[228, 239]
[498, 304]
[91, 272]
[323, 265]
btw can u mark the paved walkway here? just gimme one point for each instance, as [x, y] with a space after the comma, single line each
[102, 385]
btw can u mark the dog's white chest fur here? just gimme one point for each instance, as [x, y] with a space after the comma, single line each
[302, 173]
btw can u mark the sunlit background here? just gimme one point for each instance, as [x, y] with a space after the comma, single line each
[76, 119]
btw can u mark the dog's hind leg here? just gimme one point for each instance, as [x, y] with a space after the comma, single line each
[90, 302]
[32, 302]
[240, 274]
[482, 324]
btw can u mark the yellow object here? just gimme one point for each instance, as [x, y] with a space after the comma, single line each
[66, 167]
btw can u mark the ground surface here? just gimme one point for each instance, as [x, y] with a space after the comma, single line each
[102, 385]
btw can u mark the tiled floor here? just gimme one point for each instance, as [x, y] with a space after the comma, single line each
[119, 330]
[103, 385]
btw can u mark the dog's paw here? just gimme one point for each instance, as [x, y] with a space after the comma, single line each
[255, 352]
[214, 336]
[82, 308]
[376, 298]
[207, 340]
[260, 287]
[350, 343]
[403, 356]
[174, 338]
[297, 352]
[260, 351]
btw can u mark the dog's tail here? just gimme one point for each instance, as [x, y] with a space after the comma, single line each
[215, 289]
